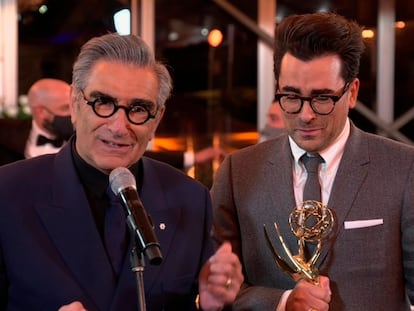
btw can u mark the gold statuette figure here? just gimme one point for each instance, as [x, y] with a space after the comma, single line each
[311, 223]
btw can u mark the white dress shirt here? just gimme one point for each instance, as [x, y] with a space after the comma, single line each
[32, 150]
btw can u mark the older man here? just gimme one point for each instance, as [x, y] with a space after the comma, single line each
[64, 242]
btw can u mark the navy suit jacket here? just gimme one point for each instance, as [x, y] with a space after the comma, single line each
[51, 252]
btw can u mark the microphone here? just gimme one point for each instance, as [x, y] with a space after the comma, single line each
[123, 184]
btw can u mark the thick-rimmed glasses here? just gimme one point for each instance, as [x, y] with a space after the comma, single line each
[320, 104]
[139, 112]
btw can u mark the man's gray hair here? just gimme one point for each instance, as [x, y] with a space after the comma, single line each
[128, 49]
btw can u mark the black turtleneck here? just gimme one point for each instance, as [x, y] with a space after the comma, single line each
[95, 184]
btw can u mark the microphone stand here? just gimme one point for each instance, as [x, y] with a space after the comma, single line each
[137, 266]
[138, 261]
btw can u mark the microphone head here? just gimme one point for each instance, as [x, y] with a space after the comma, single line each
[120, 179]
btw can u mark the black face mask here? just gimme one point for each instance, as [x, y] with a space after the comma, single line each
[61, 127]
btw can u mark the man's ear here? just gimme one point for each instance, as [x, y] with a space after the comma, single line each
[160, 115]
[353, 90]
[162, 110]
[157, 120]
[73, 106]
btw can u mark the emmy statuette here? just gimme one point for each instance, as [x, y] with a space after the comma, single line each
[311, 223]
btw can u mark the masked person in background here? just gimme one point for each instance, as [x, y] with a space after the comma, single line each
[274, 123]
[51, 126]
[46, 131]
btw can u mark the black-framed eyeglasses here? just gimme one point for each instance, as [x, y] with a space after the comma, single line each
[139, 112]
[320, 104]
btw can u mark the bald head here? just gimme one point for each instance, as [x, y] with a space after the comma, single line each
[275, 125]
[47, 99]
[274, 116]
[49, 93]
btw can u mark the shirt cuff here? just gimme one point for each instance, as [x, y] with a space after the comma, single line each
[282, 302]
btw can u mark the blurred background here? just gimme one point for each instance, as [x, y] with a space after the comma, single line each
[219, 53]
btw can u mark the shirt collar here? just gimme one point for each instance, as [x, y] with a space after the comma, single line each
[332, 153]
[95, 181]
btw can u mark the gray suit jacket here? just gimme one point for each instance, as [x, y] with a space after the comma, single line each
[370, 268]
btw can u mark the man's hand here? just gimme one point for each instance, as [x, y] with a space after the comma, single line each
[74, 306]
[208, 154]
[308, 296]
[220, 279]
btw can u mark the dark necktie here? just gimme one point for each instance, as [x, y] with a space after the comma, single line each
[115, 231]
[43, 140]
[312, 189]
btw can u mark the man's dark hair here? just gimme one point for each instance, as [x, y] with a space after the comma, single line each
[313, 35]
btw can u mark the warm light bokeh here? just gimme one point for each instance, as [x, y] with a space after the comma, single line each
[215, 37]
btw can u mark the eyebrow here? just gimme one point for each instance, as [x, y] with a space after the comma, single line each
[142, 102]
[133, 102]
[295, 90]
[97, 94]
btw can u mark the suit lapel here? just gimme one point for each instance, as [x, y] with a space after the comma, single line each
[355, 163]
[280, 183]
[155, 198]
[71, 226]
[278, 178]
